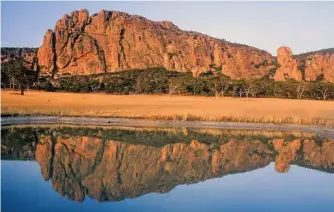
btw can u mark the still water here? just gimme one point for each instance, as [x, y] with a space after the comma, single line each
[89, 168]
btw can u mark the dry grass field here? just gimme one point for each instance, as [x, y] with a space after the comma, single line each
[261, 110]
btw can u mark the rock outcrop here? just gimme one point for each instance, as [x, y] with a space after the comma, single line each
[46, 56]
[29, 54]
[288, 66]
[113, 41]
[320, 66]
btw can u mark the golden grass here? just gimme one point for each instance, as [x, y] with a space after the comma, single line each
[185, 131]
[259, 110]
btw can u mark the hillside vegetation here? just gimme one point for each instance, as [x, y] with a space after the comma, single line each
[162, 81]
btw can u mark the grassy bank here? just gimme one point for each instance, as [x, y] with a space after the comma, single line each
[257, 110]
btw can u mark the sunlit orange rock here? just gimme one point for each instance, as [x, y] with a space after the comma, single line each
[320, 66]
[112, 41]
[288, 65]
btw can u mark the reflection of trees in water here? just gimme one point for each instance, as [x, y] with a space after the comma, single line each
[115, 164]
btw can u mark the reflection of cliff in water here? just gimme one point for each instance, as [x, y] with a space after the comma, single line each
[113, 164]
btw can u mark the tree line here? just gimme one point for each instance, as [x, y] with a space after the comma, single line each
[18, 74]
[15, 74]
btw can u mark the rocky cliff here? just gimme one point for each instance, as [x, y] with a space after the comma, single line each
[111, 41]
[29, 54]
[319, 65]
[309, 66]
[288, 66]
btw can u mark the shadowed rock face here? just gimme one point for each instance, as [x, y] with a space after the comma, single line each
[80, 164]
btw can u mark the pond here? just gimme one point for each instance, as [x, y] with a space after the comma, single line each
[95, 168]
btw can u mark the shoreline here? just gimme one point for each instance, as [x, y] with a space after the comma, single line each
[99, 121]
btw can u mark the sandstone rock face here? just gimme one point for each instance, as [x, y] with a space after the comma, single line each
[28, 54]
[320, 65]
[113, 41]
[288, 65]
[46, 56]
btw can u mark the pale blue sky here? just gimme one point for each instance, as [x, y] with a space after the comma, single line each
[303, 26]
